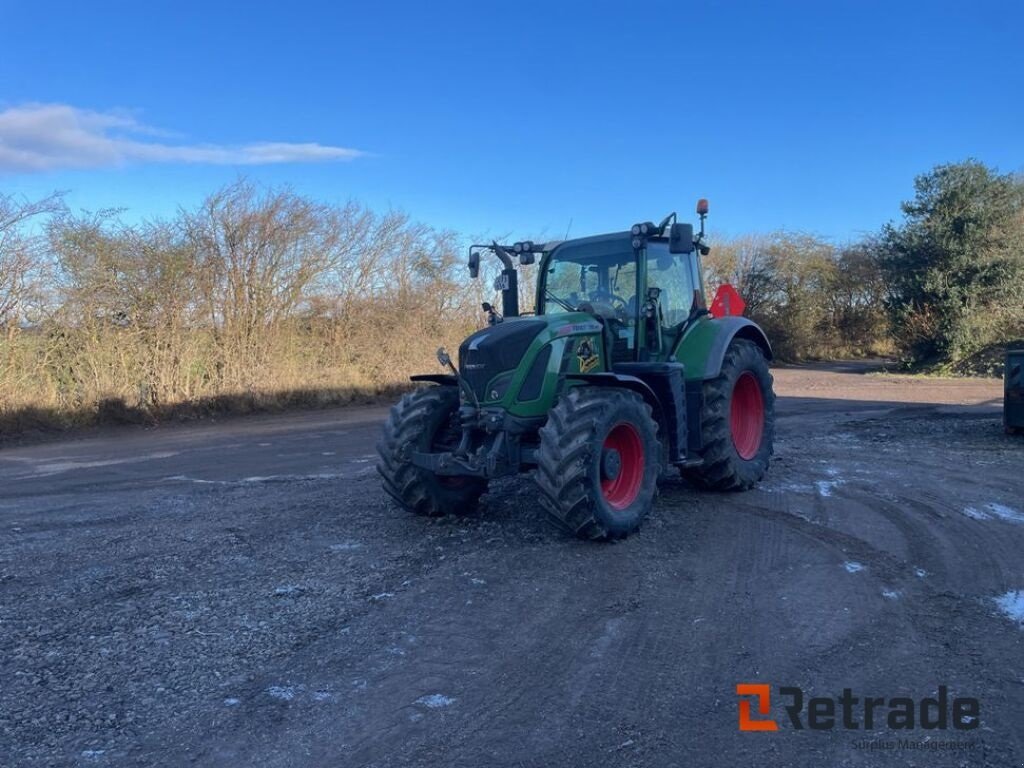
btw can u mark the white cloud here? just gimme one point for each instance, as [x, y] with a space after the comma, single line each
[45, 137]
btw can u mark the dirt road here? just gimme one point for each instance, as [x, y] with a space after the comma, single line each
[244, 595]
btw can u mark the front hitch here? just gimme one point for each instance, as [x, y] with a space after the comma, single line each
[498, 456]
[448, 464]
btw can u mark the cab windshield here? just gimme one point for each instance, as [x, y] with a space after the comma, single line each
[601, 283]
[599, 276]
[604, 282]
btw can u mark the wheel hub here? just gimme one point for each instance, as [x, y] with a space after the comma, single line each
[622, 465]
[611, 463]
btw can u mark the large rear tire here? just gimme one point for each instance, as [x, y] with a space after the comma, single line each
[737, 422]
[598, 462]
[425, 420]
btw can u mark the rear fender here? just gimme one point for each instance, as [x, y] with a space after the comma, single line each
[702, 350]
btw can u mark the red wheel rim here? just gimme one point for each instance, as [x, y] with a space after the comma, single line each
[746, 416]
[622, 490]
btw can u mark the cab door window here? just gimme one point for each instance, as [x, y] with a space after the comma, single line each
[673, 274]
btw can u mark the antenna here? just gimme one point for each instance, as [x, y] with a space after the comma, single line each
[567, 229]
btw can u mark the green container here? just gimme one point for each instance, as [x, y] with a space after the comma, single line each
[1013, 397]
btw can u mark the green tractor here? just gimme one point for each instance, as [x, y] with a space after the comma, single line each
[622, 371]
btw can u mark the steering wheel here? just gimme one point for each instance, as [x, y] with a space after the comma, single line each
[618, 303]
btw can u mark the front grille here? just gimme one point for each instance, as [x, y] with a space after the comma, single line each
[495, 349]
[535, 378]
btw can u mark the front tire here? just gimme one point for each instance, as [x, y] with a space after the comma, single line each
[598, 462]
[737, 422]
[425, 421]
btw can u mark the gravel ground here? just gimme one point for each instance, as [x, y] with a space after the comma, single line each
[243, 594]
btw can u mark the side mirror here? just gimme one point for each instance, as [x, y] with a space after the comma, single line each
[680, 238]
[474, 264]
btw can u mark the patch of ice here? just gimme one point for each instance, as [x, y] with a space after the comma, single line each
[288, 590]
[93, 754]
[279, 478]
[891, 594]
[477, 581]
[787, 488]
[232, 702]
[852, 566]
[920, 573]
[45, 469]
[323, 696]
[435, 701]
[1004, 512]
[994, 511]
[382, 596]
[821, 487]
[281, 692]
[254, 479]
[1012, 604]
[825, 487]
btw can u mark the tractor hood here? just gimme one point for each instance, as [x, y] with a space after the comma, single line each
[512, 347]
[496, 349]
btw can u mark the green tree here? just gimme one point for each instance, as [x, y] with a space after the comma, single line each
[954, 268]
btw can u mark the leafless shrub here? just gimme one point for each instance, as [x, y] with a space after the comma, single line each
[21, 255]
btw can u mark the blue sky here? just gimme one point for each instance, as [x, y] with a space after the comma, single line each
[517, 117]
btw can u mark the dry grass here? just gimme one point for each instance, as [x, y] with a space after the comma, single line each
[55, 379]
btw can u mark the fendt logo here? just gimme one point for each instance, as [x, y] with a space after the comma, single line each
[855, 712]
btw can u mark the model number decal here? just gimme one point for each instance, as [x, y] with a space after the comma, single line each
[565, 330]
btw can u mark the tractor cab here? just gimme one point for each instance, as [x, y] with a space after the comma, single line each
[643, 297]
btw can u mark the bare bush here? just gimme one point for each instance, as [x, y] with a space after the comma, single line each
[22, 258]
[256, 297]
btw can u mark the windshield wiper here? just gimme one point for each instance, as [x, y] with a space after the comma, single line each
[561, 302]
